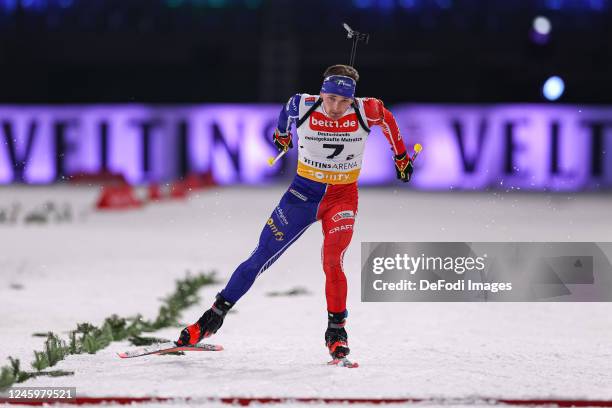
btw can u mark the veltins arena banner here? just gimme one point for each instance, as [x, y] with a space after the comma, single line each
[509, 147]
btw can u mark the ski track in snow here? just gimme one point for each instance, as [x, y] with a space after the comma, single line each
[125, 262]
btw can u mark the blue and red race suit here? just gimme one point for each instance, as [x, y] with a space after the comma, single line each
[324, 189]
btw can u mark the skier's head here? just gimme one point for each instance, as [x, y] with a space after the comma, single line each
[338, 90]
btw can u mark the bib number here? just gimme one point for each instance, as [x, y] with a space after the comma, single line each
[337, 149]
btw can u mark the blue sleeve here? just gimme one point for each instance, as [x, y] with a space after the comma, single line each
[289, 113]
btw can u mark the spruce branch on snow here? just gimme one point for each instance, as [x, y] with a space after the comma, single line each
[90, 339]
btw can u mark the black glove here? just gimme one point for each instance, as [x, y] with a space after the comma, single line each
[403, 167]
[282, 141]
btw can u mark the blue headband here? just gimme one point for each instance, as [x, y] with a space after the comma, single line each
[339, 85]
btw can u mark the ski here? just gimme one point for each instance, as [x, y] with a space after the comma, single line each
[168, 347]
[343, 362]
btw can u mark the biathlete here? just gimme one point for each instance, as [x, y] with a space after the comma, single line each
[332, 129]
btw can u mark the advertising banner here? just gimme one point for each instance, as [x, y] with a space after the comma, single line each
[508, 147]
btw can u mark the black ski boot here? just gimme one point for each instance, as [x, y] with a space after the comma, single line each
[336, 338]
[207, 325]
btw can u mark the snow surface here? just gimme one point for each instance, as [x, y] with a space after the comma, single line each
[54, 276]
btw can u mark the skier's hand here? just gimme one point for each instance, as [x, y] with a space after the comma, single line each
[403, 167]
[282, 141]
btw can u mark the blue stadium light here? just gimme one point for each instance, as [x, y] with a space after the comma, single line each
[407, 4]
[542, 25]
[363, 3]
[386, 5]
[554, 4]
[553, 88]
[8, 5]
[26, 4]
[540, 30]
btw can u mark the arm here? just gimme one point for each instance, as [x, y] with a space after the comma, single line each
[377, 114]
[289, 113]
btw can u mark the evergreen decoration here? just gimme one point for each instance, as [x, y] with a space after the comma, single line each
[7, 378]
[88, 338]
[55, 350]
[20, 376]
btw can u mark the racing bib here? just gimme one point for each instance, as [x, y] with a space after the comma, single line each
[330, 151]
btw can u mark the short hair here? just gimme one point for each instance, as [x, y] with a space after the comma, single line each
[340, 69]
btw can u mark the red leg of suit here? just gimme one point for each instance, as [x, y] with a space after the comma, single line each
[337, 214]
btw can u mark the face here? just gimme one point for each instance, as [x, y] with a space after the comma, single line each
[335, 105]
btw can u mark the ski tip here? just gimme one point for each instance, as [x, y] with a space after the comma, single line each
[122, 355]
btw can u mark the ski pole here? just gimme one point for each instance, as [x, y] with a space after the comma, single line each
[417, 150]
[273, 160]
